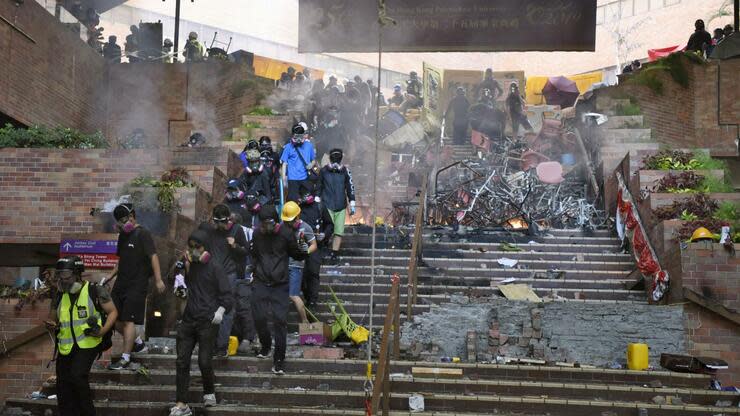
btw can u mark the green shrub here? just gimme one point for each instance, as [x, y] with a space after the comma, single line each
[46, 137]
[712, 184]
[630, 109]
[164, 197]
[261, 111]
[706, 162]
[728, 211]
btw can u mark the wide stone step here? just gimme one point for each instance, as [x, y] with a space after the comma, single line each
[408, 384]
[463, 275]
[483, 254]
[622, 135]
[473, 371]
[465, 263]
[491, 240]
[623, 122]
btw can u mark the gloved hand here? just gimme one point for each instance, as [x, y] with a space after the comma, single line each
[93, 332]
[218, 316]
[352, 209]
[303, 246]
[320, 236]
[317, 198]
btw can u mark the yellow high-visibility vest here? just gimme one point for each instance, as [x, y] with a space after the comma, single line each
[73, 322]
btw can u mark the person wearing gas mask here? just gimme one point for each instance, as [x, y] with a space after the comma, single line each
[515, 104]
[75, 316]
[298, 169]
[229, 247]
[489, 83]
[235, 199]
[209, 300]
[316, 216]
[335, 188]
[256, 177]
[137, 262]
[303, 233]
[413, 97]
[272, 244]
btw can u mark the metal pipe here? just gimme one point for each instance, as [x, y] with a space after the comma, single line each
[177, 29]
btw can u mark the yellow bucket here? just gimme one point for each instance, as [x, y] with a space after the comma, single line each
[233, 345]
[637, 356]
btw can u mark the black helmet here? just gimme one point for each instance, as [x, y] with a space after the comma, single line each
[298, 129]
[233, 184]
[336, 155]
[73, 263]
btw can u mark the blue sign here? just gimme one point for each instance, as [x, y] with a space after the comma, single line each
[88, 246]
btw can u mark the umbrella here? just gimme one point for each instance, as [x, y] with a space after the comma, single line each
[560, 91]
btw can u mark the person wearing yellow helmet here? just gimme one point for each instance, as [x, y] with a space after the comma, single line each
[306, 239]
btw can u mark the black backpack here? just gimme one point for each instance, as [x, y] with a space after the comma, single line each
[107, 341]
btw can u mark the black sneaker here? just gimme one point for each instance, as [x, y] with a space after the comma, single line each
[264, 353]
[140, 348]
[278, 368]
[119, 365]
[333, 259]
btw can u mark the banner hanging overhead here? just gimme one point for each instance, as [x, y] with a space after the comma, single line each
[448, 26]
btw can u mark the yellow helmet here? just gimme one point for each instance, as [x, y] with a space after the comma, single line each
[290, 211]
[702, 233]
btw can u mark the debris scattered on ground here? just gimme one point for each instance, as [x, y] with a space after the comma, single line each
[519, 292]
[506, 262]
[416, 403]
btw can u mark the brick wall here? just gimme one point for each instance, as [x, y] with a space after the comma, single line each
[47, 192]
[169, 102]
[710, 270]
[693, 117]
[55, 79]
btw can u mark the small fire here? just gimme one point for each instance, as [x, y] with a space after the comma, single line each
[517, 224]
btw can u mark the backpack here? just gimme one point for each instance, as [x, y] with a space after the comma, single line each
[107, 340]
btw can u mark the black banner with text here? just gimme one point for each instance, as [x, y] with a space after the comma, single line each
[448, 25]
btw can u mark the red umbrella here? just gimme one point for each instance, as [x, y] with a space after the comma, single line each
[560, 91]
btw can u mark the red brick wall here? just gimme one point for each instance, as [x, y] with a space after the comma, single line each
[47, 192]
[710, 270]
[694, 117]
[170, 101]
[56, 80]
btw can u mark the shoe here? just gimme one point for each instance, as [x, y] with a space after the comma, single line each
[264, 353]
[209, 400]
[221, 354]
[278, 368]
[119, 365]
[181, 411]
[333, 260]
[140, 348]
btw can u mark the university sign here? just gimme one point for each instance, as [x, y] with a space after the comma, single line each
[445, 26]
[97, 251]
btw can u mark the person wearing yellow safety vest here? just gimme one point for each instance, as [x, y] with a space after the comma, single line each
[79, 329]
[193, 50]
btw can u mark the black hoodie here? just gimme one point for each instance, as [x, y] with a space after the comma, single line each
[270, 251]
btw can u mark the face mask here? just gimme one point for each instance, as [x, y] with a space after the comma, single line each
[68, 286]
[229, 226]
[128, 228]
[297, 139]
[235, 195]
[76, 287]
[199, 256]
[335, 166]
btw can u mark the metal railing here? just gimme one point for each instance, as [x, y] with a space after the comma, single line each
[415, 253]
[392, 323]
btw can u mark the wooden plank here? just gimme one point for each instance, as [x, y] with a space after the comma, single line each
[519, 292]
[383, 361]
[23, 338]
[397, 325]
[712, 305]
[435, 372]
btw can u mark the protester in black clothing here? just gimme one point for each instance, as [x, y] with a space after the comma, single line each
[228, 247]
[515, 105]
[334, 189]
[317, 217]
[137, 263]
[234, 199]
[132, 44]
[700, 39]
[209, 298]
[413, 97]
[255, 178]
[459, 106]
[351, 114]
[111, 51]
[489, 83]
[78, 340]
[728, 30]
[365, 94]
[332, 82]
[272, 244]
[487, 119]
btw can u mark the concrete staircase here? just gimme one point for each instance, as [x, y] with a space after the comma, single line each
[335, 387]
[621, 135]
[594, 273]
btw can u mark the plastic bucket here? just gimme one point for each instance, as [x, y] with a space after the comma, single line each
[637, 356]
[233, 345]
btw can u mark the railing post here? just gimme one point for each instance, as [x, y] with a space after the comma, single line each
[382, 374]
[415, 251]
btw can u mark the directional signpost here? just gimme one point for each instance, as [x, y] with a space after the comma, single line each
[98, 251]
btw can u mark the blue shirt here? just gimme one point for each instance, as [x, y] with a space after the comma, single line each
[296, 168]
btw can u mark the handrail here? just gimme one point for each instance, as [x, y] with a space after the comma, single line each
[22, 339]
[381, 387]
[415, 252]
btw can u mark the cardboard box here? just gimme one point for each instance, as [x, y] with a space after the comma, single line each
[314, 333]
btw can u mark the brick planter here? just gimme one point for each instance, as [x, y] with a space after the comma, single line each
[650, 178]
[659, 199]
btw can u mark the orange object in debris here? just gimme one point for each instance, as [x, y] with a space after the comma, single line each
[637, 356]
